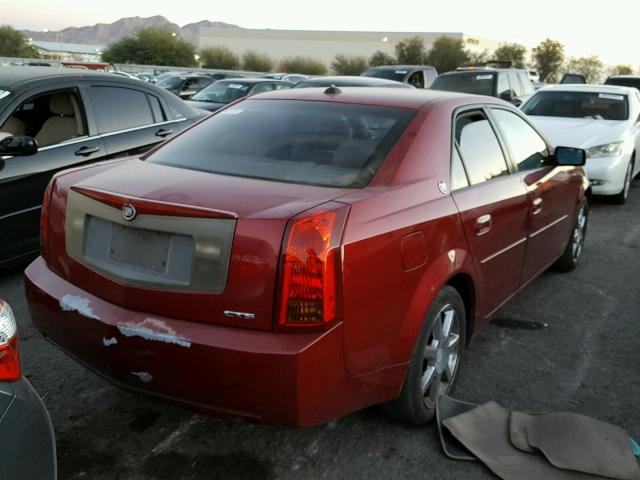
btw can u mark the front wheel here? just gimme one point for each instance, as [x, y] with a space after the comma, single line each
[435, 359]
[569, 259]
[622, 197]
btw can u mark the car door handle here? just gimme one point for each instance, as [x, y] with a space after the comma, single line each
[86, 150]
[537, 206]
[163, 132]
[483, 224]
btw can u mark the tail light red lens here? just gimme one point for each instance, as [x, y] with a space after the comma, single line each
[310, 269]
[44, 221]
[9, 355]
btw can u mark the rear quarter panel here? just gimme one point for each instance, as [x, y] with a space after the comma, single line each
[387, 291]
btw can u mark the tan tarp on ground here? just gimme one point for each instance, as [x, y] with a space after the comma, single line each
[559, 446]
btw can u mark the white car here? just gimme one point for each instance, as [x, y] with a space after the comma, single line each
[603, 120]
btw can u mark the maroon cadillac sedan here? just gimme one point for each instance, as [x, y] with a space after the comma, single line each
[303, 254]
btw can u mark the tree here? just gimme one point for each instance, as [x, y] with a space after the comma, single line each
[511, 52]
[621, 70]
[14, 44]
[548, 57]
[219, 57]
[447, 54]
[349, 65]
[305, 65]
[410, 51]
[591, 67]
[380, 58]
[151, 46]
[256, 62]
[478, 58]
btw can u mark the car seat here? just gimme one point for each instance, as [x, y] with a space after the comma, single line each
[64, 122]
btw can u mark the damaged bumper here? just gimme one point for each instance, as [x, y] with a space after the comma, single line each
[276, 378]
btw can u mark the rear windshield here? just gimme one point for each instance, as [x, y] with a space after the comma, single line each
[602, 106]
[222, 92]
[388, 73]
[477, 83]
[315, 143]
[624, 82]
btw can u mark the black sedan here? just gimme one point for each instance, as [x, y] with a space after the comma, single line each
[75, 117]
[346, 81]
[185, 86]
[223, 92]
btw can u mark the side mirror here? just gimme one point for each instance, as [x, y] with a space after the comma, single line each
[570, 157]
[516, 102]
[18, 146]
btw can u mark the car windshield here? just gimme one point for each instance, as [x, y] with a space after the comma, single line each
[222, 92]
[477, 83]
[387, 73]
[624, 82]
[314, 143]
[171, 82]
[602, 106]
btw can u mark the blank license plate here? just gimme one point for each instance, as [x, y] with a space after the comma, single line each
[140, 248]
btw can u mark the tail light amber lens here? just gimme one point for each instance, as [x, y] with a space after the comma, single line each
[310, 269]
[9, 355]
[44, 221]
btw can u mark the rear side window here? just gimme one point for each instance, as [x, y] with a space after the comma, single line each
[528, 149]
[516, 86]
[118, 108]
[479, 147]
[315, 143]
[526, 83]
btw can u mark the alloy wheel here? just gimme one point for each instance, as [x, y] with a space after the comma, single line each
[441, 355]
[579, 233]
[627, 180]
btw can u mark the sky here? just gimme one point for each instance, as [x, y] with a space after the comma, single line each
[607, 30]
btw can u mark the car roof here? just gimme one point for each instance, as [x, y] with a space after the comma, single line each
[579, 87]
[11, 76]
[409, 98]
[482, 70]
[252, 80]
[630, 77]
[398, 67]
[345, 80]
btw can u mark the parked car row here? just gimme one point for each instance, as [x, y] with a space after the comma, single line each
[339, 246]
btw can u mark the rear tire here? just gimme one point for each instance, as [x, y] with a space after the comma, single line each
[435, 360]
[621, 198]
[573, 251]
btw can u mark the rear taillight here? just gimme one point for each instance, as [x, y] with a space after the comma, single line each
[310, 269]
[9, 355]
[44, 221]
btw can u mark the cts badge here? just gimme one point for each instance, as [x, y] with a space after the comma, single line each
[129, 212]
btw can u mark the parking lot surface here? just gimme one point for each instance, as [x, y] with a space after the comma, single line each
[568, 342]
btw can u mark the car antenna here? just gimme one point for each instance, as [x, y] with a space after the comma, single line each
[332, 90]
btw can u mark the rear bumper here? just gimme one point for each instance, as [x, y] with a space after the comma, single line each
[276, 378]
[27, 441]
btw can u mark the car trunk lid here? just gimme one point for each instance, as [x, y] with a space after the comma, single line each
[176, 242]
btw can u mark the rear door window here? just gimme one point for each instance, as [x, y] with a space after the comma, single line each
[480, 150]
[516, 86]
[316, 143]
[117, 108]
[528, 149]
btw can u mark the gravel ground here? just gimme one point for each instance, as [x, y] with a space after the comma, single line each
[583, 358]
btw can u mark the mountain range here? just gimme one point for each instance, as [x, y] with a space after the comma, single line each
[106, 33]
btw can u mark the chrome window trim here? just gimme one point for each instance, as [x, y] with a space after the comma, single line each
[20, 212]
[103, 135]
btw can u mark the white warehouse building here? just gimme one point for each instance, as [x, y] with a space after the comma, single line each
[324, 45]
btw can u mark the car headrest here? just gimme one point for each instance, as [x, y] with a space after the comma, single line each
[60, 104]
